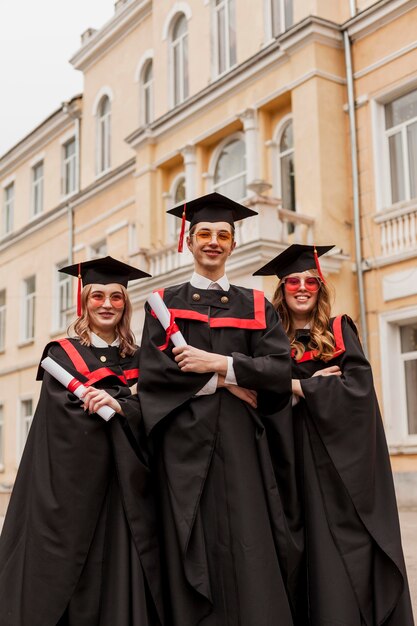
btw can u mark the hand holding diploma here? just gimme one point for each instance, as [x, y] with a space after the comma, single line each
[73, 385]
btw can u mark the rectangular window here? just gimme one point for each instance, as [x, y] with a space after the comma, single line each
[69, 166]
[225, 35]
[26, 417]
[37, 189]
[401, 137]
[281, 16]
[8, 209]
[29, 297]
[64, 298]
[2, 319]
[408, 336]
[1, 436]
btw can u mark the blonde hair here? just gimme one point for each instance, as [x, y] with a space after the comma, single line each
[321, 337]
[81, 327]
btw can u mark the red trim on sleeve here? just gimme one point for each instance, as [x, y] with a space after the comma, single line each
[74, 356]
[131, 374]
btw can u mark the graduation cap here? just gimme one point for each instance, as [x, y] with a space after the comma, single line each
[214, 207]
[103, 272]
[296, 258]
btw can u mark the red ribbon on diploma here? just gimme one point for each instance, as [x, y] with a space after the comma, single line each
[171, 330]
[73, 385]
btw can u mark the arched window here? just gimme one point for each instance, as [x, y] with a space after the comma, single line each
[103, 134]
[176, 195]
[230, 170]
[179, 60]
[147, 92]
[281, 16]
[225, 35]
[286, 167]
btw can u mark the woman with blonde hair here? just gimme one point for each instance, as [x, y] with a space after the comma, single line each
[354, 571]
[79, 545]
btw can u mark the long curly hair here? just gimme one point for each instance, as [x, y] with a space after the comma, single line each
[321, 337]
[81, 327]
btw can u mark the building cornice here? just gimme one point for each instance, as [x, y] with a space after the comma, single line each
[53, 125]
[379, 14]
[123, 21]
[311, 30]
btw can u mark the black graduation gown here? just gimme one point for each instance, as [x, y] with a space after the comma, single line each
[79, 546]
[230, 533]
[355, 566]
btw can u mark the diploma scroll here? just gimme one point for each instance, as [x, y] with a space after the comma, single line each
[72, 384]
[164, 316]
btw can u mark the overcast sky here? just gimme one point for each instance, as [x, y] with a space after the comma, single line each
[37, 39]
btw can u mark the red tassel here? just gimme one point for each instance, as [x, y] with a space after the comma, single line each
[182, 231]
[316, 259]
[79, 287]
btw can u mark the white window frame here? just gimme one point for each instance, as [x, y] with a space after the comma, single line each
[380, 146]
[103, 129]
[38, 189]
[277, 155]
[283, 18]
[183, 79]
[230, 51]
[62, 288]
[28, 310]
[3, 321]
[72, 163]
[2, 437]
[393, 379]
[147, 89]
[8, 209]
[173, 224]
[22, 433]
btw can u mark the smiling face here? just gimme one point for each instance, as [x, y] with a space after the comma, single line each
[105, 306]
[211, 243]
[301, 299]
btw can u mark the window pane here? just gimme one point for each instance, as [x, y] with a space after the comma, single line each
[276, 17]
[409, 338]
[401, 110]
[412, 157]
[289, 19]
[232, 33]
[180, 192]
[235, 189]
[180, 28]
[148, 74]
[221, 39]
[287, 139]
[1, 435]
[411, 391]
[105, 106]
[396, 168]
[288, 182]
[30, 285]
[232, 161]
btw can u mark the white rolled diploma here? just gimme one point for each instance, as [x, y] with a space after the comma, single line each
[162, 313]
[75, 386]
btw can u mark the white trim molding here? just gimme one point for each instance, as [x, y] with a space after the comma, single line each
[177, 7]
[146, 56]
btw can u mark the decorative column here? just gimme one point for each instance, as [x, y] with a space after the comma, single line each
[250, 127]
[190, 167]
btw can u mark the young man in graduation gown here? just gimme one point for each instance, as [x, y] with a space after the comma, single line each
[79, 543]
[214, 411]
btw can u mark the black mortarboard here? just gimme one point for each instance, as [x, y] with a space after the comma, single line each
[296, 258]
[103, 272]
[214, 207]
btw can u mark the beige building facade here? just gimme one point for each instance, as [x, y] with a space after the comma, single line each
[262, 101]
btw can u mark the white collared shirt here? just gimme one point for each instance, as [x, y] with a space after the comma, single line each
[201, 282]
[98, 342]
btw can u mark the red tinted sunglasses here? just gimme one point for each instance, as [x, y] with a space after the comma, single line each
[293, 283]
[116, 300]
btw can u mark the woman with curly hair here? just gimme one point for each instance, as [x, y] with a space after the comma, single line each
[354, 571]
[79, 545]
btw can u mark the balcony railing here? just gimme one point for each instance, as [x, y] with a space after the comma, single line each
[270, 225]
[398, 230]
